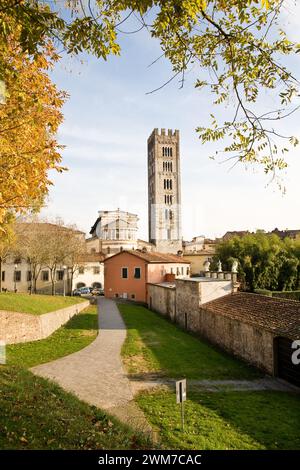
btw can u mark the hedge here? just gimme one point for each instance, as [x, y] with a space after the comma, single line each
[287, 294]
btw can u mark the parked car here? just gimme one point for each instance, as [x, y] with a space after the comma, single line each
[82, 291]
[97, 291]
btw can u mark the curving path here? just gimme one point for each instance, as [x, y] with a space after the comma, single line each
[95, 374]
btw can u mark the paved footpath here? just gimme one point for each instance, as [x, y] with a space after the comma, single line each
[95, 373]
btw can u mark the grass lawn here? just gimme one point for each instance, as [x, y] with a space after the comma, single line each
[37, 414]
[226, 420]
[214, 420]
[80, 331]
[154, 345]
[35, 304]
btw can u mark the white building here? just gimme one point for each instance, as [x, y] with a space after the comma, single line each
[112, 232]
[90, 272]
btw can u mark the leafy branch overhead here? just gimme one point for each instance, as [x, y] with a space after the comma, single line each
[237, 46]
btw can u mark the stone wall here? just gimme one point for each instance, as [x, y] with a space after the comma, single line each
[161, 299]
[185, 304]
[252, 344]
[18, 327]
[192, 292]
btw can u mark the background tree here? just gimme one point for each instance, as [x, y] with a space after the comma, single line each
[30, 246]
[75, 250]
[237, 45]
[265, 261]
[29, 118]
[7, 241]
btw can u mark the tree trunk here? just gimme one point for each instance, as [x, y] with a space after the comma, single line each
[0, 275]
[71, 280]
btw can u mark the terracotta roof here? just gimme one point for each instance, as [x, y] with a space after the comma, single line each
[199, 253]
[286, 233]
[280, 316]
[44, 225]
[153, 257]
[235, 233]
[90, 257]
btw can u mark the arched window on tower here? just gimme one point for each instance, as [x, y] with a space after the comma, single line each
[165, 184]
[163, 151]
[171, 152]
[170, 184]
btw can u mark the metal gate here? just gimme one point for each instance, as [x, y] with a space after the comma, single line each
[287, 369]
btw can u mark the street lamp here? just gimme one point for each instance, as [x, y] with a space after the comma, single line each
[64, 280]
[15, 278]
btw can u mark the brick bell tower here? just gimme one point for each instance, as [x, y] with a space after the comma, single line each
[164, 192]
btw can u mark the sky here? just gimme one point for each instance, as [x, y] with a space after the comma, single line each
[107, 120]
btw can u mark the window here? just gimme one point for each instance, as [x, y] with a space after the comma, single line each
[29, 276]
[170, 183]
[165, 184]
[133, 296]
[17, 276]
[96, 269]
[182, 271]
[97, 285]
[80, 284]
[3, 276]
[81, 270]
[172, 271]
[124, 273]
[137, 273]
[116, 295]
[187, 271]
[17, 260]
[177, 271]
[170, 214]
[45, 276]
[60, 275]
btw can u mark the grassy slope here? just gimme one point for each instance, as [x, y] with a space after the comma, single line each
[35, 304]
[226, 420]
[37, 414]
[73, 336]
[156, 345]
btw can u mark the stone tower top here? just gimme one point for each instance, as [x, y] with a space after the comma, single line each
[163, 132]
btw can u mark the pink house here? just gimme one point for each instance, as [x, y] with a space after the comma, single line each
[127, 273]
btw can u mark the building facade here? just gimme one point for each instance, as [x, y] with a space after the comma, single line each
[112, 232]
[127, 274]
[164, 191]
[90, 271]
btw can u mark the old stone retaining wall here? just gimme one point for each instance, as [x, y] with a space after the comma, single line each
[185, 305]
[253, 344]
[161, 299]
[16, 327]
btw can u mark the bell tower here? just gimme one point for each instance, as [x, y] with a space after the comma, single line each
[164, 193]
